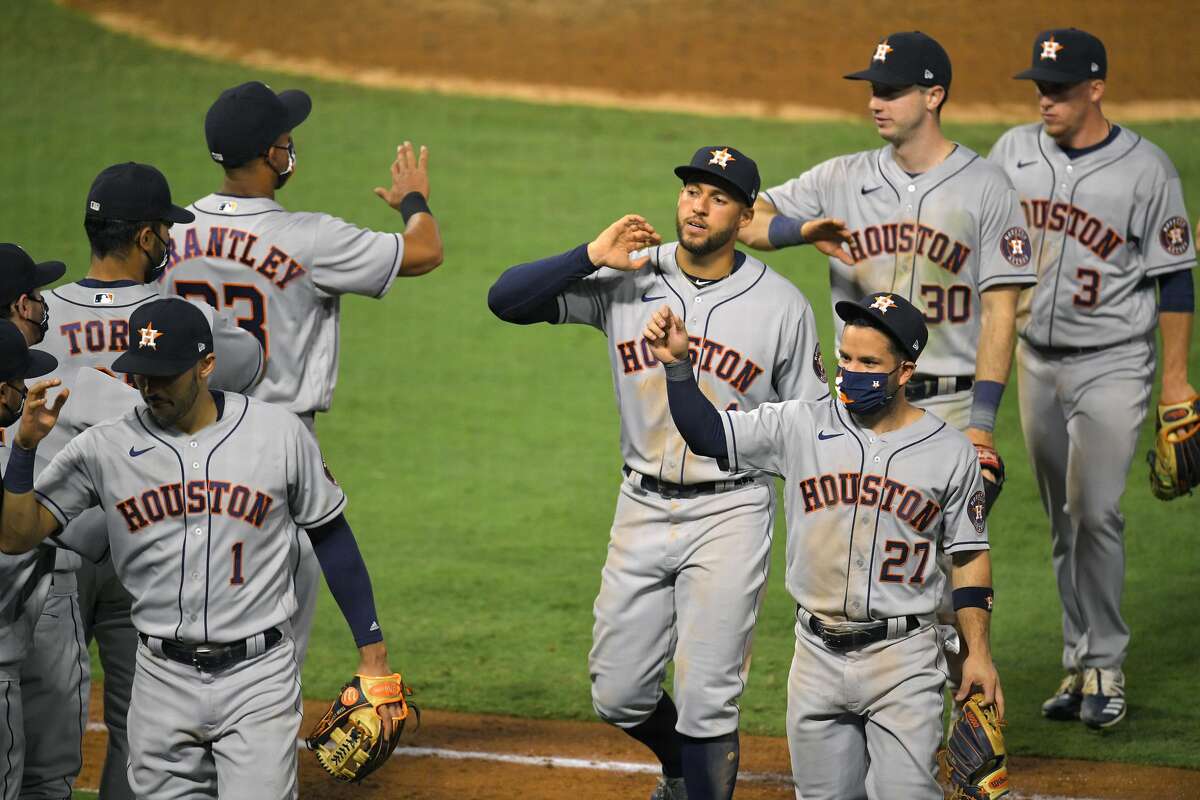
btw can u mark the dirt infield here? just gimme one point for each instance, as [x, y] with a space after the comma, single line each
[474, 757]
[772, 58]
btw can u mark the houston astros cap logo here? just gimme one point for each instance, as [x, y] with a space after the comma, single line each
[881, 51]
[1050, 49]
[721, 157]
[149, 336]
[883, 303]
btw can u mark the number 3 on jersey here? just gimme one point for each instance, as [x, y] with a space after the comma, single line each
[232, 293]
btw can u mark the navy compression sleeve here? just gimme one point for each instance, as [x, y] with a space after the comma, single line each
[698, 422]
[527, 293]
[347, 577]
[1176, 292]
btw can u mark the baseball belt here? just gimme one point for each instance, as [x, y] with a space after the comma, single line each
[851, 637]
[920, 387]
[673, 491]
[1062, 352]
[212, 657]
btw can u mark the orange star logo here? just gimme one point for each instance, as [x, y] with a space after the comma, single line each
[149, 336]
[1050, 49]
[881, 51]
[883, 303]
[721, 157]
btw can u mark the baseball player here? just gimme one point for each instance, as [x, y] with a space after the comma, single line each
[24, 579]
[283, 273]
[127, 218]
[1106, 211]
[688, 555]
[875, 486]
[216, 695]
[930, 219]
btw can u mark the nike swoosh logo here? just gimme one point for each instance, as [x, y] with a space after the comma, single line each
[822, 435]
[646, 299]
[1024, 164]
[867, 191]
[133, 453]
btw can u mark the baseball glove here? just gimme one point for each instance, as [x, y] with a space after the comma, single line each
[349, 740]
[992, 467]
[976, 756]
[1175, 459]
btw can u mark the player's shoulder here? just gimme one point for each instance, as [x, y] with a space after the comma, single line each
[234, 207]
[945, 436]
[99, 296]
[1147, 157]
[774, 285]
[260, 413]
[1018, 136]
[850, 163]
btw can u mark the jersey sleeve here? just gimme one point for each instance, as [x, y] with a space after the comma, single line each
[964, 523]
[66, 487]
[757, 439]
[1005, 251]
[588, 300]
[240, 361]
[800, 374]
[348, 259]
[801, 197]
[314, 497]
[1161, 224]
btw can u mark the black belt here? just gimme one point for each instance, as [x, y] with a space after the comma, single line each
[685, 490]
[860, 637]
[212, 657]
[1062, 352]
[921, 386]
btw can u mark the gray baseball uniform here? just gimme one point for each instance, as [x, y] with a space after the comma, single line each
[866, 514]
[939, 239]
[1104, 223]
[89, 329]
[211, 561]
[283, 272]
[685, 576]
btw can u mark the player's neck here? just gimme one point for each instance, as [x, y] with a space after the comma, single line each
[922, 151]
[710, 267]
[202, 413]
[248, 186]
[117, 268]
[1094, 130]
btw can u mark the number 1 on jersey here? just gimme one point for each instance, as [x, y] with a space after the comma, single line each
[237, 579]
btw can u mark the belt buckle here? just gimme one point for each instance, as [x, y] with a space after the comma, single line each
[837, 641]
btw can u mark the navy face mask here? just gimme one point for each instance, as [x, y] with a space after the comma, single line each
[865, 392]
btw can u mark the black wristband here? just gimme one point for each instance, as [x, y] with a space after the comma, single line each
[413, 203]
[18, 478]
[679, 370]
[973, 597]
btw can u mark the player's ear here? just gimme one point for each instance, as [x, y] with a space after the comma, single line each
[1096, 91]
[206, 366]
[747, 216]
[933, 97]
[907, 370]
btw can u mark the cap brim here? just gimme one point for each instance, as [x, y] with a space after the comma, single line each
[848, 309]
[878, 76]
[689, 174]
[177, 214]
[47, 272]
[40, 363]
[1048, 75]
[135, 363]
[298, 105]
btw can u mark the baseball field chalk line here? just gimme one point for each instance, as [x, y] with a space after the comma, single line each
[561, 762]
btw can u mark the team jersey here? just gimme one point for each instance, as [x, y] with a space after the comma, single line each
[866, 512]
[282, 274]
[753, 339]
[1102, 224]
[939, 239]
[200, 534]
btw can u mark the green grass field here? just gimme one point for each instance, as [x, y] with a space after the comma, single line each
[481, 459]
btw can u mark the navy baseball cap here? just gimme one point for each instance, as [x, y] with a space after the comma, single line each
[166, 337]
[135, 193]
[247, 119]
[892, 314]
[1066, 55]
[723, 166]
[907, 59]
[20, 274]
[17, 361]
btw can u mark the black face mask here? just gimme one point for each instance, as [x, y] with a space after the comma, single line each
[43, 323]
[282, 177]
[154, 271]
[7, 415]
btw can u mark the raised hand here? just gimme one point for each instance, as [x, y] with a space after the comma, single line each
[40, 416]
[410, 173]
[612, 248]
[667, 336]
[827, 235]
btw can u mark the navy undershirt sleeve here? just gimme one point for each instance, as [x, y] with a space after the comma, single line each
[1177, 292]
[346, 574]
[528, 293]
[698, 422]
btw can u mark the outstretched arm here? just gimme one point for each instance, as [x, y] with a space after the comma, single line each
[409, 194]
[698, 422]
[771, 230]
[25, 522]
